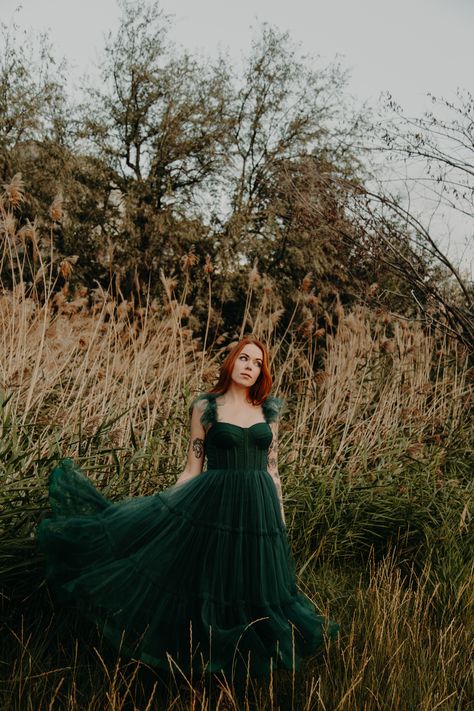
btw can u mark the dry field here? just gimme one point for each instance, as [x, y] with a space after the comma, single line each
[376, 460]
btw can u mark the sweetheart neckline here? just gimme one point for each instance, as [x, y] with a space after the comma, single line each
[221, 422]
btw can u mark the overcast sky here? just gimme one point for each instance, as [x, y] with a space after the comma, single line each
[408, 47]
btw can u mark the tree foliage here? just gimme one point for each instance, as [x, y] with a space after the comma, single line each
[173, 165]
[441, 142]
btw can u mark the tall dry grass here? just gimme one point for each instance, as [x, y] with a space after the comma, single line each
[376, 460]
[390, 656]
[60, 358]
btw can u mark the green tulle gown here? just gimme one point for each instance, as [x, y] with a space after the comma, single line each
[200, 572]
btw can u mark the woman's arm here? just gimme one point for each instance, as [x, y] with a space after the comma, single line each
[273, 466]
[195, 459]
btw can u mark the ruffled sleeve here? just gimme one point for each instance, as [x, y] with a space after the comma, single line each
[209, 415]
[272, 408]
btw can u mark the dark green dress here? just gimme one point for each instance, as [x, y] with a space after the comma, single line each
[201, 571]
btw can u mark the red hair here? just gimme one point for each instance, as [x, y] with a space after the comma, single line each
[260, 390]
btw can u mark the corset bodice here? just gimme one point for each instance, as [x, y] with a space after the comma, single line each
[230, 446]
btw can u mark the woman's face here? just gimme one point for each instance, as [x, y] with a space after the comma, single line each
[248, 365]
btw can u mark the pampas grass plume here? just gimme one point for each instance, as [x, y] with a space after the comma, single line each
[14, 191]
[56, 209]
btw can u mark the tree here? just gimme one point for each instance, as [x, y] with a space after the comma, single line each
[282, 110]
[157, 123]
[291, 128]
[33, 126]
[442, 143]
[31, 97]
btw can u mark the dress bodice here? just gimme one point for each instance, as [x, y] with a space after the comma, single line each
[230, 446]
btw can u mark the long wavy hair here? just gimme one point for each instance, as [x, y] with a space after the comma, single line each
[260, 390]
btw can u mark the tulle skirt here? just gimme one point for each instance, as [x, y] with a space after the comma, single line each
[199, 575]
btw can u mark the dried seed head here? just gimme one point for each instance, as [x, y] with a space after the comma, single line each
[306, 327]
[66, 266]
[110, 308]
[339, 311]
[14, 191]
[65, 269]
[59, 299]
[388, 346]
[307, 282]
[123, 308]
[208, 268]
[184, 311]
[276, 316]
[353, 323]
[19, 291]
[321, 377]
[28, 231]
[210, 375]
[56, 209]
[189, 260]
[170, 307]
[8, 225]
[170, 285]
[254, 276]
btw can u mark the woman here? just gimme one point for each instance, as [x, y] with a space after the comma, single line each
[199, 575]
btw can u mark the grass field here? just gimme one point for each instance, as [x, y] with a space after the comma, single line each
[376, 461]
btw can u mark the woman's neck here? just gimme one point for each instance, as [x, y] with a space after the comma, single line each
[237, 395]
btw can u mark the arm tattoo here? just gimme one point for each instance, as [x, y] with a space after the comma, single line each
[272, 455]
[198, 447]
